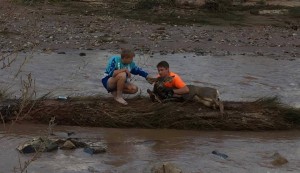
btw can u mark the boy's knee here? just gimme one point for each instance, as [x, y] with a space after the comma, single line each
[121, 75]
[133, 89]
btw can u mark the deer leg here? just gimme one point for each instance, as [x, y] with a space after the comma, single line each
[220, 105]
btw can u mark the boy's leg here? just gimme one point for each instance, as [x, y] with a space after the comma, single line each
[130, 88]
[118, 83]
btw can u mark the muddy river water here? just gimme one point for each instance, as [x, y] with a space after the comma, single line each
[137, 150]
[237, 77]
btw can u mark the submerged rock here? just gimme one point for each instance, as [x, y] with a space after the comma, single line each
[166, 168]
[224, 156]
[44, 144]
[82, 54]
[68, 145]
[40, 144]
[278, 160]
[95, 148]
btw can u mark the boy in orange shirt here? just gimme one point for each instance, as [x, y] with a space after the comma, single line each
[175, 88]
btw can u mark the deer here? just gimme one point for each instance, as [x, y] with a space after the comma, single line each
[208, 96]
[156, 94]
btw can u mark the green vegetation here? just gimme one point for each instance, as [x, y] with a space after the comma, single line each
[40, 1]
[261, 2]
[150, 4]
[289, 114]
[177, 18]
[4, 94]
[292, 115]
[218, 5]
[269, 102]
[294, 12]
[214, 12]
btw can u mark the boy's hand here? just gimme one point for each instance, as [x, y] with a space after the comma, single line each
[151, 80]
[169, 92]
[128, 73]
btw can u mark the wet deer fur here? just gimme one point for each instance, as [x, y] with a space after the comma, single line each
[208, 96]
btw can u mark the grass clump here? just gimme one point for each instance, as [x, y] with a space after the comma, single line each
[294, 12]
[261, 2]
[4, 94]
[218, 5]
[292, 115]
[269, 102]
[150, 4]
[289, 114]
[40, 1]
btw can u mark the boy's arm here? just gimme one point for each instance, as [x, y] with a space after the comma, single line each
[139, 71]
[183, 90]
[110, 68]
[181, 86]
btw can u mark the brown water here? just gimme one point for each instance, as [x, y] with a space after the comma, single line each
[137, 150]
[237, 77]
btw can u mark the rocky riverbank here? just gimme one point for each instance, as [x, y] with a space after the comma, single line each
[113, 25]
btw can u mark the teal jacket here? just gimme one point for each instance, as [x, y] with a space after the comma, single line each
[115, 63]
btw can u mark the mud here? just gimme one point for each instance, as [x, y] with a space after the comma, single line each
[141, 113]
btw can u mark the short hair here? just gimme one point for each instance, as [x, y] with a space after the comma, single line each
[164, 64]
[126, 52]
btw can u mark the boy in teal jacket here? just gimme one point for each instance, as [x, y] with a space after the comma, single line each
[117, 72]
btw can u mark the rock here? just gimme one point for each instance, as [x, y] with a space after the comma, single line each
[70, 133]
[68, 145]
[40, 144]
[278, 160]
[78, 144]
[92, 169]
[82, 54]
[94, 149]
[166, 168]
[224, 156]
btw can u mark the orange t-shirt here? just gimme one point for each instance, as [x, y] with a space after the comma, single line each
[176, 83]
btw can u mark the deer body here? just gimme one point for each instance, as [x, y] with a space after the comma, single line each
[208, 96]
[159, 83]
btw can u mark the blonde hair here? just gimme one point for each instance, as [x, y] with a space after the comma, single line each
[126, 52]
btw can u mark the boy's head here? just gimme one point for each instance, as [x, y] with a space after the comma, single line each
[127, 56]
[163, 69]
